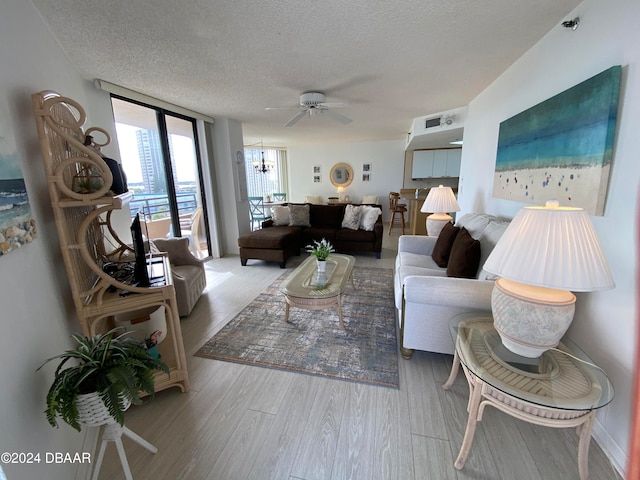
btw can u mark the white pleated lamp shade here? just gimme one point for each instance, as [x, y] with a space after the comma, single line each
[553, 247]
[440, 200]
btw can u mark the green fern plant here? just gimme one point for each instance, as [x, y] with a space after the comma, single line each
[119, 368]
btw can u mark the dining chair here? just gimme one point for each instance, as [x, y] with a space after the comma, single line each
[279, 197]
[396, 208]
[257, 212]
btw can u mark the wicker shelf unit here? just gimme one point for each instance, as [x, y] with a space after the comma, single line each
[87, 239]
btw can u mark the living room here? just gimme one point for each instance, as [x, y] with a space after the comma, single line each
[39, 326]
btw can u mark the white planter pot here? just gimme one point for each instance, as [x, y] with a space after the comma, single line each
[92, 410]
[322, 265]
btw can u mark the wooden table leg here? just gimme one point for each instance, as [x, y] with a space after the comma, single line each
[584, 432]
[474, 404]
[339, 308]
[455, 368]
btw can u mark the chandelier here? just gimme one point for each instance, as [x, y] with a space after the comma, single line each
[262, 167]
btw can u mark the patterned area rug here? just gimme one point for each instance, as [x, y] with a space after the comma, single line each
[313, 341]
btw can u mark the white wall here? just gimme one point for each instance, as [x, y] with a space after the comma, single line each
[37, 312]
[604, 323]
[385, 157]
[234, 217]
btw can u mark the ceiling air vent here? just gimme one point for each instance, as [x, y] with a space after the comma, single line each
[433, 122]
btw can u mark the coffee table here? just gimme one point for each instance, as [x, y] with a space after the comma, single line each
[307, 288]
[563, 388]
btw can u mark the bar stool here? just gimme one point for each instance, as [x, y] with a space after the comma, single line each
[395, 208]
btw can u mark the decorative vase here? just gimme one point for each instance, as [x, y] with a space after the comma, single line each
[322, 265]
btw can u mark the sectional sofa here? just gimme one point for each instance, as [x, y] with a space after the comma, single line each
[286, 235]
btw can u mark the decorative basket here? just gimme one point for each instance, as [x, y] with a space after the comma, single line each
[93, 412]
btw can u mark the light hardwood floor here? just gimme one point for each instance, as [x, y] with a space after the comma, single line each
[243, 422]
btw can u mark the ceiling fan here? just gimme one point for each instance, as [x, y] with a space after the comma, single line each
[313, 103]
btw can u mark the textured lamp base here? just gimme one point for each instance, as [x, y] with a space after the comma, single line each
[436, 222]
[530, 320]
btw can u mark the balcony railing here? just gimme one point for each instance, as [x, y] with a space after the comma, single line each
[155, 207]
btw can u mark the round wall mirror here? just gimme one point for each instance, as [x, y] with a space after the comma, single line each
[341, 175]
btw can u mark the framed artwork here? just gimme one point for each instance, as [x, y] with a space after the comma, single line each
[366, 167]
[316, 179]
[316, 169]
[17, 226]
[366, 177]
[561, 149]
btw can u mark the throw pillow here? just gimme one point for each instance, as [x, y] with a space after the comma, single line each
[369, 217]
[442, 248]
[373, 199]
[465, 256]
[351, 218]
[280, 215]
[299, 216]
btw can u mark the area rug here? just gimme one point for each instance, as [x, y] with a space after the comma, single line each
[312, 341]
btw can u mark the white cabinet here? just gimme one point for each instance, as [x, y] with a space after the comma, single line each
[422, 164]
[436, 163]
[454, 157]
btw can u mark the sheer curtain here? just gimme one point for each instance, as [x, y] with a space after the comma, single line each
[273, 179]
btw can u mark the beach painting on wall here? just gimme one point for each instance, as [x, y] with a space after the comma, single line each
[17, 227]
[561, 149]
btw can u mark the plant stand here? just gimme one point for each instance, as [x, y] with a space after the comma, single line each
[113, 433]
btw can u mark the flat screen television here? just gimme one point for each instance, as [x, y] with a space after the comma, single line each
[140, 272]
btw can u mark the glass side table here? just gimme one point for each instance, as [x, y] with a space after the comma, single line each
[561, 389]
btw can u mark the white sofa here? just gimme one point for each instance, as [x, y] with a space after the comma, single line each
[426, 298]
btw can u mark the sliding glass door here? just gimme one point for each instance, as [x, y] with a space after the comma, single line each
[159, 152]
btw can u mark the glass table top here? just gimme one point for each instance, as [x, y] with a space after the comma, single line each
[564, 377]
[307, 282]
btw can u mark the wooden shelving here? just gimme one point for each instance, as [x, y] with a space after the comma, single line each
[88, 241]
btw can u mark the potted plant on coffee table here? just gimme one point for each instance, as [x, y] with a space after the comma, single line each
[104, 375]
[321, 250]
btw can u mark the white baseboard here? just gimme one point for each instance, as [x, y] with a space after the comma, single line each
[610, 447]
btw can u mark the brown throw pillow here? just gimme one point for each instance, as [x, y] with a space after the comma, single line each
[465, 256]
[442, 248]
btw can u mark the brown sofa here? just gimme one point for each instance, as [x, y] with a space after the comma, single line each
[276, 243]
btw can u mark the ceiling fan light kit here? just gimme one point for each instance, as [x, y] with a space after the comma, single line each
[312, 103]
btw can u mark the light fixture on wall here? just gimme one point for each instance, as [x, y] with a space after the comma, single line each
[572, 24]
[439, 202]
[544, 255]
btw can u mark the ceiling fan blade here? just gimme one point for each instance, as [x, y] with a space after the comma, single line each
[281, 108]
[334, 105]
[295, 119]
[338, 116]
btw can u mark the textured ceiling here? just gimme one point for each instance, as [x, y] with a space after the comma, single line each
[389, 61]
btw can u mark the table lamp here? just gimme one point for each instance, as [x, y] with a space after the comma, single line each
[545, 254]
[439, 202]
[341, 194]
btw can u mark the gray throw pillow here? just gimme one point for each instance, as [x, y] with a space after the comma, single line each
[351, 218]
[299, 216]
[280, 215]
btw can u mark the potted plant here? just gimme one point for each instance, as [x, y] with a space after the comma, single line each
[321, 251]
[109, 374]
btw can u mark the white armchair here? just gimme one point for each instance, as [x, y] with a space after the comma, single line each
[189, 279]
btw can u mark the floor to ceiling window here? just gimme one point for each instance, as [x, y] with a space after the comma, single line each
[266, 170]
[159, 153]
